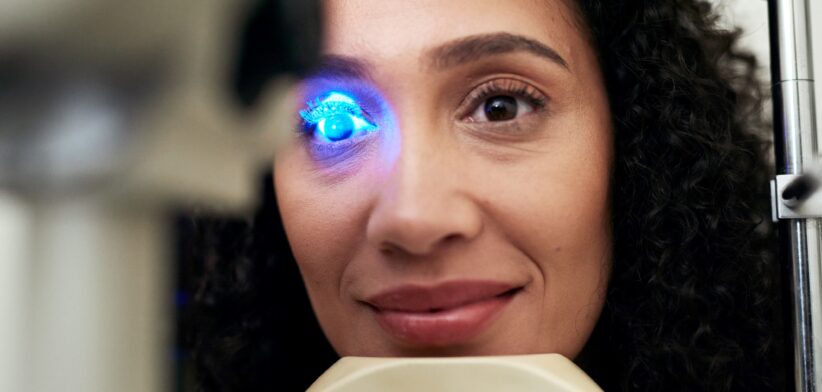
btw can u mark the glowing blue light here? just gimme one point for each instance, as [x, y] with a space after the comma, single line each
[338, 97]
[336, 117]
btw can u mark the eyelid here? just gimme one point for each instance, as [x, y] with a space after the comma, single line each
[317, 110]
[332, 153]
[363, 95]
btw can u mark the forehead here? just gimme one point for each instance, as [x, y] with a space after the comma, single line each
[401, 30]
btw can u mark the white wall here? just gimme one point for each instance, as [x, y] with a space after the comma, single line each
[752, 16]
[14, 224]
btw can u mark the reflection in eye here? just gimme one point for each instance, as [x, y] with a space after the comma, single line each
[335, 118]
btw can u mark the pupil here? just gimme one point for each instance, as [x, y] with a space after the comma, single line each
[500, 108]
[338, 127]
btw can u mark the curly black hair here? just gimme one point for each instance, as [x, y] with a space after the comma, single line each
[692, 302]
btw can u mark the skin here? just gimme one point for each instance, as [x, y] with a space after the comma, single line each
[438, 193]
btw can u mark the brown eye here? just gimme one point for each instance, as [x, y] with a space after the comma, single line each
[500, 108]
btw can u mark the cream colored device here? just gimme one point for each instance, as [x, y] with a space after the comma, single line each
[520, 373]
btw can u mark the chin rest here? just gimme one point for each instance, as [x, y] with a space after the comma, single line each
[521, 373]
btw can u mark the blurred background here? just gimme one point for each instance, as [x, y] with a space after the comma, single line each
[117, 121]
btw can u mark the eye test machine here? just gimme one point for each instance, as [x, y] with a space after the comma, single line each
[796, 202]
[111, 113]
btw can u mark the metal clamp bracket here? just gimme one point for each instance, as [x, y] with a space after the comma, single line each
[780, 209]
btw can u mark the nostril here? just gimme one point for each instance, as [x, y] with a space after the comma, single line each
[388, 250]
[451, 238]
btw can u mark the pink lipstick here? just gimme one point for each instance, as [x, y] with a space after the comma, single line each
[448, 313]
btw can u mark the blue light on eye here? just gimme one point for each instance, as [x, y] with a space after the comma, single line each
[337, 127]
[337, 97]
[336, 117]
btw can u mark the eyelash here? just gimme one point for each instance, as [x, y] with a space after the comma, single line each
[317, 109]
[498, 87]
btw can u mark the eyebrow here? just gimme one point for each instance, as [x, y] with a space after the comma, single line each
[444, 56]
[340, 67]
[476, 47]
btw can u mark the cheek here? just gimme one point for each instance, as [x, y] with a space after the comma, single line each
[557, 202]
[324, 223]
[320, 216]
[321, 231]
[556, 210]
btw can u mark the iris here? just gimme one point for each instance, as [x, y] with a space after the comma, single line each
[501, 108]
[337, 127]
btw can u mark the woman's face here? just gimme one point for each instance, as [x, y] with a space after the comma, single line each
[448, 192]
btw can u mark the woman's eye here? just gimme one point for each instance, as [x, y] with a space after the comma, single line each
[335, 118]
[501, 108]
[340, 126]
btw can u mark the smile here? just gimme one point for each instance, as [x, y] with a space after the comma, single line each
[449, 313]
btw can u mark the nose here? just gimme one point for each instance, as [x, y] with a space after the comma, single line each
[425, 202]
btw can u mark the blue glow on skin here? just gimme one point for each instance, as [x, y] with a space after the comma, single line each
[335, 118]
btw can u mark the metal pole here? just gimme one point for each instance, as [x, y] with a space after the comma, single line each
[796, 148]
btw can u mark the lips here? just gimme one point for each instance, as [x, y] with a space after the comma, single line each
[449, 313]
